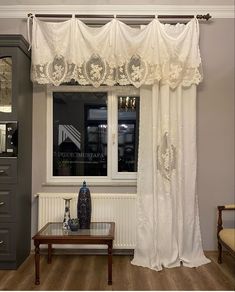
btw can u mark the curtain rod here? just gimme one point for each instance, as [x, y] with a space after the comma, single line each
[126, 17]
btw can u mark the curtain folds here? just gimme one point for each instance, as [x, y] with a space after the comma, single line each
[115, 53]
[168, 230]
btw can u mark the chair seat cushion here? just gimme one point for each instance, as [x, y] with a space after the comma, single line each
[227, 235]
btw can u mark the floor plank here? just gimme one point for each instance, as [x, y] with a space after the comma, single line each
[83, 272]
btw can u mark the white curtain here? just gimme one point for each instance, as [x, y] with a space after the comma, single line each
[168, 230]
[164, 61]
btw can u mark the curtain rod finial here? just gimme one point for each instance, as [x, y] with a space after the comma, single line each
[205, 16]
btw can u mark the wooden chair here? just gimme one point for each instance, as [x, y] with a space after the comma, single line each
[226, 236]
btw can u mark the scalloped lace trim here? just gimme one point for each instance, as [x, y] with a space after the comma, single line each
[97, 71]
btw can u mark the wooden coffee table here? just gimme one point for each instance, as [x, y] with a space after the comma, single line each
[53, 233]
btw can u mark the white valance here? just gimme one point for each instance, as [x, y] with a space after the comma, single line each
[115, 53]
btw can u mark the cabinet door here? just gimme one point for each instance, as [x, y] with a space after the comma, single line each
[8, 83]
[8, 170]
[7, 203]
[7, 241]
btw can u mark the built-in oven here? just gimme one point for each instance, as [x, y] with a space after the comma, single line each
[8, 139]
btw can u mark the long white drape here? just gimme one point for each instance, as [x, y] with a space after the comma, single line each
[168, 229]
[167, 57]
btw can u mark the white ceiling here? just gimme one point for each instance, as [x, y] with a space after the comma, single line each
[117, 2]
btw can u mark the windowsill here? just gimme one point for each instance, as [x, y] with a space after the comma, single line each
[120, 183]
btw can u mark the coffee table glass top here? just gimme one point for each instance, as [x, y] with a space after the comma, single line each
[96, 229]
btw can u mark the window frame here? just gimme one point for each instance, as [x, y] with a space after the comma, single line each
[113, 176]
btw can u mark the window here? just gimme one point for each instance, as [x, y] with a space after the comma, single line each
[92, 134]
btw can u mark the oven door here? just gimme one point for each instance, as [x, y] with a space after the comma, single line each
[8, 139]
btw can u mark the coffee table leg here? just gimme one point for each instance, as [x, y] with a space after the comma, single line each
[49, 253]
[37, 263]
[110, 250]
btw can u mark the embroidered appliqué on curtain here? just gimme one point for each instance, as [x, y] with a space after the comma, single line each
[166, 157]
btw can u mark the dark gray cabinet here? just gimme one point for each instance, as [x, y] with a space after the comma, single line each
[16, 168]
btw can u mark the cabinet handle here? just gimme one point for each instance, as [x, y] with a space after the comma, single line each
[1, 242]
[2, 171]
[2, 203]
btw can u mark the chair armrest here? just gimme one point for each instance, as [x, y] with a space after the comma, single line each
[229, 207]
[220, 220]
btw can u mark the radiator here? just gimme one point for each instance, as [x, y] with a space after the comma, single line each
[118, 208]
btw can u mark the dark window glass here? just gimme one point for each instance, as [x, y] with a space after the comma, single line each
[79, 134]
[128, 126]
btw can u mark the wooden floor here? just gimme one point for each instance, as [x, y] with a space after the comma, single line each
[80, 272]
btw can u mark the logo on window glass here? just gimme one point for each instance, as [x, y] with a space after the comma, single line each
[71, 133]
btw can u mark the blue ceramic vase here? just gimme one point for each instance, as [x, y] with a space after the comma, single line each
[84, 207]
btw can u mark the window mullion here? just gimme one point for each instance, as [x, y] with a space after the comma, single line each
[111, 133]
[115, 136]
[49, 129]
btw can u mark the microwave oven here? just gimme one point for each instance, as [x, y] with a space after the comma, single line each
[8, 139]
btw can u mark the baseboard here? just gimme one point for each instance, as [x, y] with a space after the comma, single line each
[61, 251]
[94, 251]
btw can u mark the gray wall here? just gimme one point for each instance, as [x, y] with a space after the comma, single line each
[117, 2]
[215, 126]
[13, 26]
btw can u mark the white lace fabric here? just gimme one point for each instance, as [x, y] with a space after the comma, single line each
[115, 53]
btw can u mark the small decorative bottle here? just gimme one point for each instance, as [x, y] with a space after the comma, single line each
[84, 207]
[66, 214]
